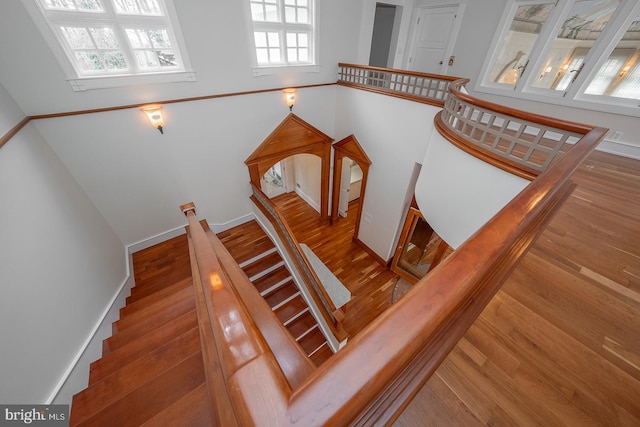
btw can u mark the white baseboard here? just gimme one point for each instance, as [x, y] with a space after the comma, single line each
[619, 148]
[309, 200]
[76, 376]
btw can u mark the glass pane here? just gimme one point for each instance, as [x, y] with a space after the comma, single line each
[89, 60]
[292, 55]
[619, 76]
[160, 38]
[581, 28]
[138, 38]
[77, 5]
[263, 56]
[146, 59]
[292, 40]
[303, 55]
[257, 12]
[290, 14]
[167, 58]
[138, 7]
[260, 39]
[274, 55]
[271, 13]
[78, 38]
[518, 42]
[611, 69]
[114, 60]
[273, 39]
[104, 38]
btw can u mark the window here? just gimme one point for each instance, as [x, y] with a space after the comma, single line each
[115, 38]
[283, 34]
[582, 53]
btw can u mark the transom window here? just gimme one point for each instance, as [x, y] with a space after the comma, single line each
[583, 52]
[114, 37]
[283, 32]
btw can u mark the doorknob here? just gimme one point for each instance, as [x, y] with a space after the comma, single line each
[440, 62]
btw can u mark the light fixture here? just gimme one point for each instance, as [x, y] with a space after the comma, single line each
[290, 97]
[154, 113]
[625, 70]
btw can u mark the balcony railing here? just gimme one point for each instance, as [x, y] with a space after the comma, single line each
[420, 87]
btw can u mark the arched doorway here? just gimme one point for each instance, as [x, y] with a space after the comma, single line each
[293, 136]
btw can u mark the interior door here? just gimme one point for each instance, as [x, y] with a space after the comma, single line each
[433, 39]
[345, 183]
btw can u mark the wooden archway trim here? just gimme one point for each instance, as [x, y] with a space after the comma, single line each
[351, 148]
[293, 136]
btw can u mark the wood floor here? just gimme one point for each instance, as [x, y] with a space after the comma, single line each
[559, 345]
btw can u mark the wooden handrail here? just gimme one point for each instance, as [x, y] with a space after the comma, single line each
[377, 373]
[331, 314]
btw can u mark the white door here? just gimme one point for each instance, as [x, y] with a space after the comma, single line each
[434, 38]
[345, 183]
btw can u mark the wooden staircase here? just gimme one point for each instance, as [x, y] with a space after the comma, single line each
[259, 259]
[151, 372]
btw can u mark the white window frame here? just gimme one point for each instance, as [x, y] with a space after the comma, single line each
[574, 95]
[87, 81]
[281, 27]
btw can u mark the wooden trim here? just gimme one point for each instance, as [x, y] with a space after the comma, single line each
[172, 101]
[14, 130]
[351, 148]
[370, 251]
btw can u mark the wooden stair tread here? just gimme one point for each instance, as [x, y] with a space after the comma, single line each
[148, 400]
[270, 279]
[282, 293]
[144, 313]
[158, 319]
[288, 311]
[111, 361]
[262, 264]
[321, 355]
[312, 341]
[134, 375]
[157, 296]
[245, 241]
[165, 280]
[191, 410]
[302, 324]
[123, 338]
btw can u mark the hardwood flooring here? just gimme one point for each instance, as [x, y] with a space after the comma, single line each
[559, 345]
[370, 283]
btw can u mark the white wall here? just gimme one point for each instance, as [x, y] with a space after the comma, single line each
[138, 177]
[395, 134]
[458, 193]
[60, 264]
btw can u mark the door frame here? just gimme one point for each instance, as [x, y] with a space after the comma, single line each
[351, 148]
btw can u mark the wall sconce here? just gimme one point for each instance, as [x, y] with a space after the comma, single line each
[545, 72]
[624, 70]
[154, 113]
[290, 97]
